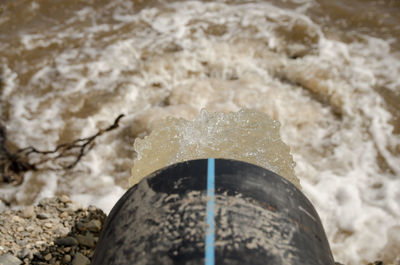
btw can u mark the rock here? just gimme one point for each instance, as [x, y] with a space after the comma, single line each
[48, 225]
[17, 219]
[94, 226]
[30, 228]
[25, 252]
[48, 257]
[92, 208]
[65, 199]
[43, 216]
[63, 215]
[67, 258]
[87, 240]
[40, 243]
[27, 212]
[67, 249]
[66, 241]
[81, 226]
[80, 259]
[7, 259]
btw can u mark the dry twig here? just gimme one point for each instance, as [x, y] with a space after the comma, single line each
[14, 165]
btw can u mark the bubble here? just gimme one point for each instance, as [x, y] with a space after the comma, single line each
[246, 135]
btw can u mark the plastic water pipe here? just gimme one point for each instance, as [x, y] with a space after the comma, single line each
[213, 211]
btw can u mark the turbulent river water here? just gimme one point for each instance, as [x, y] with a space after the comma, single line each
[328, 71]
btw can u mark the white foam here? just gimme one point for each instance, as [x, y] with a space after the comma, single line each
[105, 201]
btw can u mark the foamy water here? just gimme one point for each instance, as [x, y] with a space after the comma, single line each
[246, 135]
[68, 74]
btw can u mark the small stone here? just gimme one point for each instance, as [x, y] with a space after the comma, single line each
[66, 241]
[25, 252]
[48, 257]
[43, 216]
[92, 208]
[7, 259]
[81, 226]
[17, 219]
[39, 243]
[62, 231]
[20, 228]
[80, 259]
[48, 225]
[87, 240]
[65, 199]
[94, 226]
[27, 212]
[67, 258]
[67, 249]
[63, 215]
[30, 228]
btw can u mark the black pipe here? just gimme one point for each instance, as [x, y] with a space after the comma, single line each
[258, 216]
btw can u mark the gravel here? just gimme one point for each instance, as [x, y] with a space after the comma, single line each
[56, 231]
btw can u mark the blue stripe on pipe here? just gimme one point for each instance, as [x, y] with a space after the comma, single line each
[210, 251]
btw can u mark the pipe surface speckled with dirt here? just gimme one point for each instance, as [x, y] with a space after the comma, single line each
[257, 217]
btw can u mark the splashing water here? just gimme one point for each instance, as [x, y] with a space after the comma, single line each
[247, 135]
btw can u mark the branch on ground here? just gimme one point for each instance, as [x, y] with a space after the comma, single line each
[13, 165]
